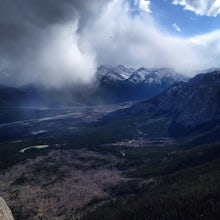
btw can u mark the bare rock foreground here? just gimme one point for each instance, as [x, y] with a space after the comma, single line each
[5, 211]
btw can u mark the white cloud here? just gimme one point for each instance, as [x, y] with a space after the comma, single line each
[201, 7]
[144, 5]
[139, 41]
[63, 60]
[68, 53]
[208, 46]
[58, 60]
[176, 27]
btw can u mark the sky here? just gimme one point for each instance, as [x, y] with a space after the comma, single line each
[55, 42]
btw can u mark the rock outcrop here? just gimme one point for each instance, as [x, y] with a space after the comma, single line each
[5, 211]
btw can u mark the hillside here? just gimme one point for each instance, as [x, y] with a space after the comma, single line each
[185, 108]
[157, 159]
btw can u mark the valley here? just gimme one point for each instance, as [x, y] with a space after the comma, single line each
[109, 110]
[98, 162]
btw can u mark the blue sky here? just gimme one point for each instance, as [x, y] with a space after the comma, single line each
[181, 34]
[190, 23]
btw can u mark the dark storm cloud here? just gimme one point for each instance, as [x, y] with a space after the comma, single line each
[24, 19]
[25, 25]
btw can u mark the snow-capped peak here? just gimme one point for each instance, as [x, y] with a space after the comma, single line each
[154, 75]
[148, 76]
[117, 73]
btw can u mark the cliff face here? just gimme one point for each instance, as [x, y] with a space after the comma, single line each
[5, 211]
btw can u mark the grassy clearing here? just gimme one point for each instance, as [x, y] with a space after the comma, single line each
[33, 147]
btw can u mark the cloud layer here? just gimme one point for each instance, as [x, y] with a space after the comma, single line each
[176, 27]
[39, 41]
[139, 41]
[55, 43]
[134, 41]
[201, 7]
[145, 5]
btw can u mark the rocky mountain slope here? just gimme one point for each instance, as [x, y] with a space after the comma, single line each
[182, 108]
[123, 84]
[191, 102]
[110, 74]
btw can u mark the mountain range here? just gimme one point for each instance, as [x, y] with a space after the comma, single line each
[181, 107]
[123, 84]
[149, 149]
[185, 108]
[111, 85]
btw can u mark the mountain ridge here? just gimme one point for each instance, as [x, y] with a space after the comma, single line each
[185, 108]
[135, 84]
[112, 84]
